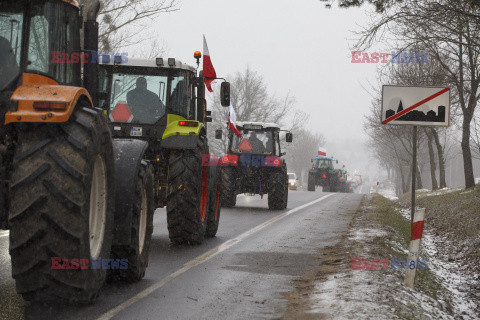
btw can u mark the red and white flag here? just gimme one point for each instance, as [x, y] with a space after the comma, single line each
[322, 151]
[232, 121]
[208, 69]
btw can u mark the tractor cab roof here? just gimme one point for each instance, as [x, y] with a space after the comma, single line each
[322, 157]
[151, 63]
[257, 125]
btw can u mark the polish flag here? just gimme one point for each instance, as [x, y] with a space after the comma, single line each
[208, 69]
[232, 121]
[322, 151]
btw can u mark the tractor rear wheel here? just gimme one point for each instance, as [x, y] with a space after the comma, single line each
[137, 251]
[187, 195]
[278, 194]
[227, 193]
[214, 203]
[311, 182]
[61, 207]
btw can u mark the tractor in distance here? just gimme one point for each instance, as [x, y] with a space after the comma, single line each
[254, 164]
[323, 174]
[158, 119]
[56, 155]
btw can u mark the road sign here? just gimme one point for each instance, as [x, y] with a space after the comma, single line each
[418, 106]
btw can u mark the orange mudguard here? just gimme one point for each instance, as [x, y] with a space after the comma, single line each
[38, 88]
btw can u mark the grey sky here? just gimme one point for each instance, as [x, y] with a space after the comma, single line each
[298, 46]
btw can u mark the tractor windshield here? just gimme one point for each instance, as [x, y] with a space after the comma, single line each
[11, 23]
[254, 142]
[324, 164]
[51, 38]
[144, 95]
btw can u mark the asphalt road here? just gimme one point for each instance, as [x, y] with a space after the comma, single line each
[240, 274]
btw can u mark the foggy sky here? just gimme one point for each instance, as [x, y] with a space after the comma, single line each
[297, 46]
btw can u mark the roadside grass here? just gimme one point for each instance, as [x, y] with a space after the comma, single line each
[384, 212]
[455, 215]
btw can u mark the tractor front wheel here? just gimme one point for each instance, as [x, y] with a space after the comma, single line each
[136, 253]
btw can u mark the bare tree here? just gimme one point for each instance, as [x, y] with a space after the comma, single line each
[122, 21]
[452, 40]
[252, 101]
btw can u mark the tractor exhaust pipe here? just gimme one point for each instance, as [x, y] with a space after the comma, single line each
[90, 76]
[93, 11]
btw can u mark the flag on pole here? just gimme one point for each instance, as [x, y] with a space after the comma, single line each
[208, 69]
[322, 151]
[232, 121]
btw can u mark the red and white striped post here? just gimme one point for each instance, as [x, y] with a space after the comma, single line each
[414, 249]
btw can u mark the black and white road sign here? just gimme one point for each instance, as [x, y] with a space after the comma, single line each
[419, 106]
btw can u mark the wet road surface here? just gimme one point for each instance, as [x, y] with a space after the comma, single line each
[239, 274]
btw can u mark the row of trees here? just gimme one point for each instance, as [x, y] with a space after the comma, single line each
[449, 31]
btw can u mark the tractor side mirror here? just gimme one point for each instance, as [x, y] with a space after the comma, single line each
[289, 137]
[225, 94]
[218, 134]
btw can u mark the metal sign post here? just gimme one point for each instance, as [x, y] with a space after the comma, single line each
[415, 106]
[414, 173]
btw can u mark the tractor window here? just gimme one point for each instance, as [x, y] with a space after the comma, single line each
[53, 46]
[11, 23]
[324, 164]
[254, 142]
[142, 95]
[179, 94]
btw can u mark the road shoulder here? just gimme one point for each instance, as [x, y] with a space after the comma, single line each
[336, 290]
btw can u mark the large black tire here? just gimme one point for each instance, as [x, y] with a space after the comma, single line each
[187, 195]
[214, 202]
[228, 195]
[56, 169]
[137, 251]
[311, 182]
[278, 194]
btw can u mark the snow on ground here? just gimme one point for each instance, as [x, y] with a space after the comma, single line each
[452, 275]
[361, 294]
[366, 233]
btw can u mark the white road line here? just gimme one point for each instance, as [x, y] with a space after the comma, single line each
[4, 234]
[201, 259]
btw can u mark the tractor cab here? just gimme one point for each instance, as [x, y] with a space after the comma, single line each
[152, 98]
[256, 139]
[35, 36]
[322, 163]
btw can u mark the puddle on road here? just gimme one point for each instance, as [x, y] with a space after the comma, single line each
[282, 263]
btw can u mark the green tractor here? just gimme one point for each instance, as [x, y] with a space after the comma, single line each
[158, 120]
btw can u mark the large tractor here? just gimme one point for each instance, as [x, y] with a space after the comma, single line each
[158, 119]
[56, 155]
[254, 164]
